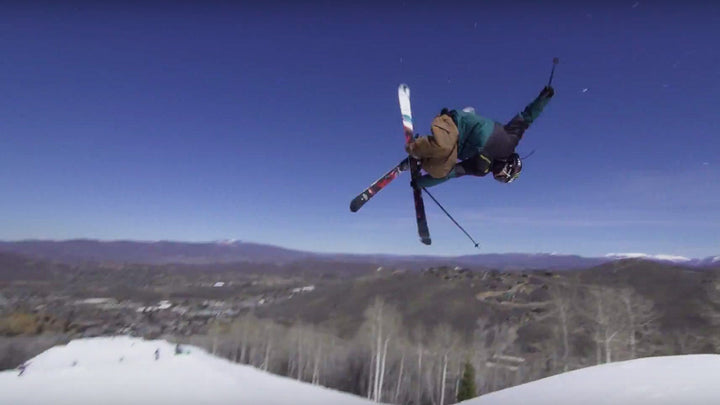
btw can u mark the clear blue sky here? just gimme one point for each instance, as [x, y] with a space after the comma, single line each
[260, 122]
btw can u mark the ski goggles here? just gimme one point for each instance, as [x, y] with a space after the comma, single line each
[510, 170]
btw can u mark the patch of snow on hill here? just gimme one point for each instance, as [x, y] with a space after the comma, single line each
[665, 258]
[123, 370]
[687, 380]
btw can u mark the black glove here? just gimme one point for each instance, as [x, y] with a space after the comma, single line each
[477, 165]
[547, 92]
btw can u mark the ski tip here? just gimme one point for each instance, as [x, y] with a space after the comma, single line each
[404, 88]
[355, 206]
[426, 241]
[556, 60]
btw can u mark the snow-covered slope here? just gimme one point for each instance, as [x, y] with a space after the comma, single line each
[686, 380]
[660, 258]
[680, 260]
[123, 370]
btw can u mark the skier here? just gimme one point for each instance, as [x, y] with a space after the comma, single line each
[482, 145]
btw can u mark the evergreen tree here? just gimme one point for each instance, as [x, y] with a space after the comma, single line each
[467, 388]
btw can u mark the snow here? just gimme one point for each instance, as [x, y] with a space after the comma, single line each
[228, 242]
[671, 258]
[661, 257]
[96, 301]
[123, 370]
[161, 306]
[688, 380]
[307, 288]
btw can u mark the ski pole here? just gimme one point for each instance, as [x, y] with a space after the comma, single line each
[556, 60]
[451, 218]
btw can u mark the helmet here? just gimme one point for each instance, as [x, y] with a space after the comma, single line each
[507, 170]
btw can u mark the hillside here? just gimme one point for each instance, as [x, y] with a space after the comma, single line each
[460, 297]
[121, 370]
[317, 318]
[688, 380]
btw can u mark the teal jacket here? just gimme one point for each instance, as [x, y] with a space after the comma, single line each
[475, 131]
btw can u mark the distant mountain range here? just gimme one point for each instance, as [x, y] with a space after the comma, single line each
[166, 252]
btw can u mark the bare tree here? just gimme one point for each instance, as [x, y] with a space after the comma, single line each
[418, 335]
[686, 341]
[711, 310]
[242, 331]
[620, 317]
[215, 331]
[383, 323]
[609, 321]
[641, 317]
[400, 374]
[269, 335]
[322, 344]
[446, 341]
[491, 343]
[562, 298]
[297, 350]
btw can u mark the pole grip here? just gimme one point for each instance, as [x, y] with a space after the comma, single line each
[556, 60]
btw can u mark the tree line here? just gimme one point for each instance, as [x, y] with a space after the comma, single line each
[388, 361]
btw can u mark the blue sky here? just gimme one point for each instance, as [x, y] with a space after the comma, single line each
[260, 122]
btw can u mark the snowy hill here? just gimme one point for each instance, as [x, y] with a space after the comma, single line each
[684, 380]
[680, 260]
[660, 258]
[123, 370]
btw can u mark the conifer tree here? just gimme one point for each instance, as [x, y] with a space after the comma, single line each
[467, 388]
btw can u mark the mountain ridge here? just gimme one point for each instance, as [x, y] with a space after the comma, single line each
[73, 251]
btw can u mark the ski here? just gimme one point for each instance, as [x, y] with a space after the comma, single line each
[378, 185]
[405, 110]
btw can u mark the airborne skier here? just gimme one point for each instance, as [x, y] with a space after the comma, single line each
[481, 144]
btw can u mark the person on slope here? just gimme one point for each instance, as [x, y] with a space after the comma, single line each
[481, 144]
